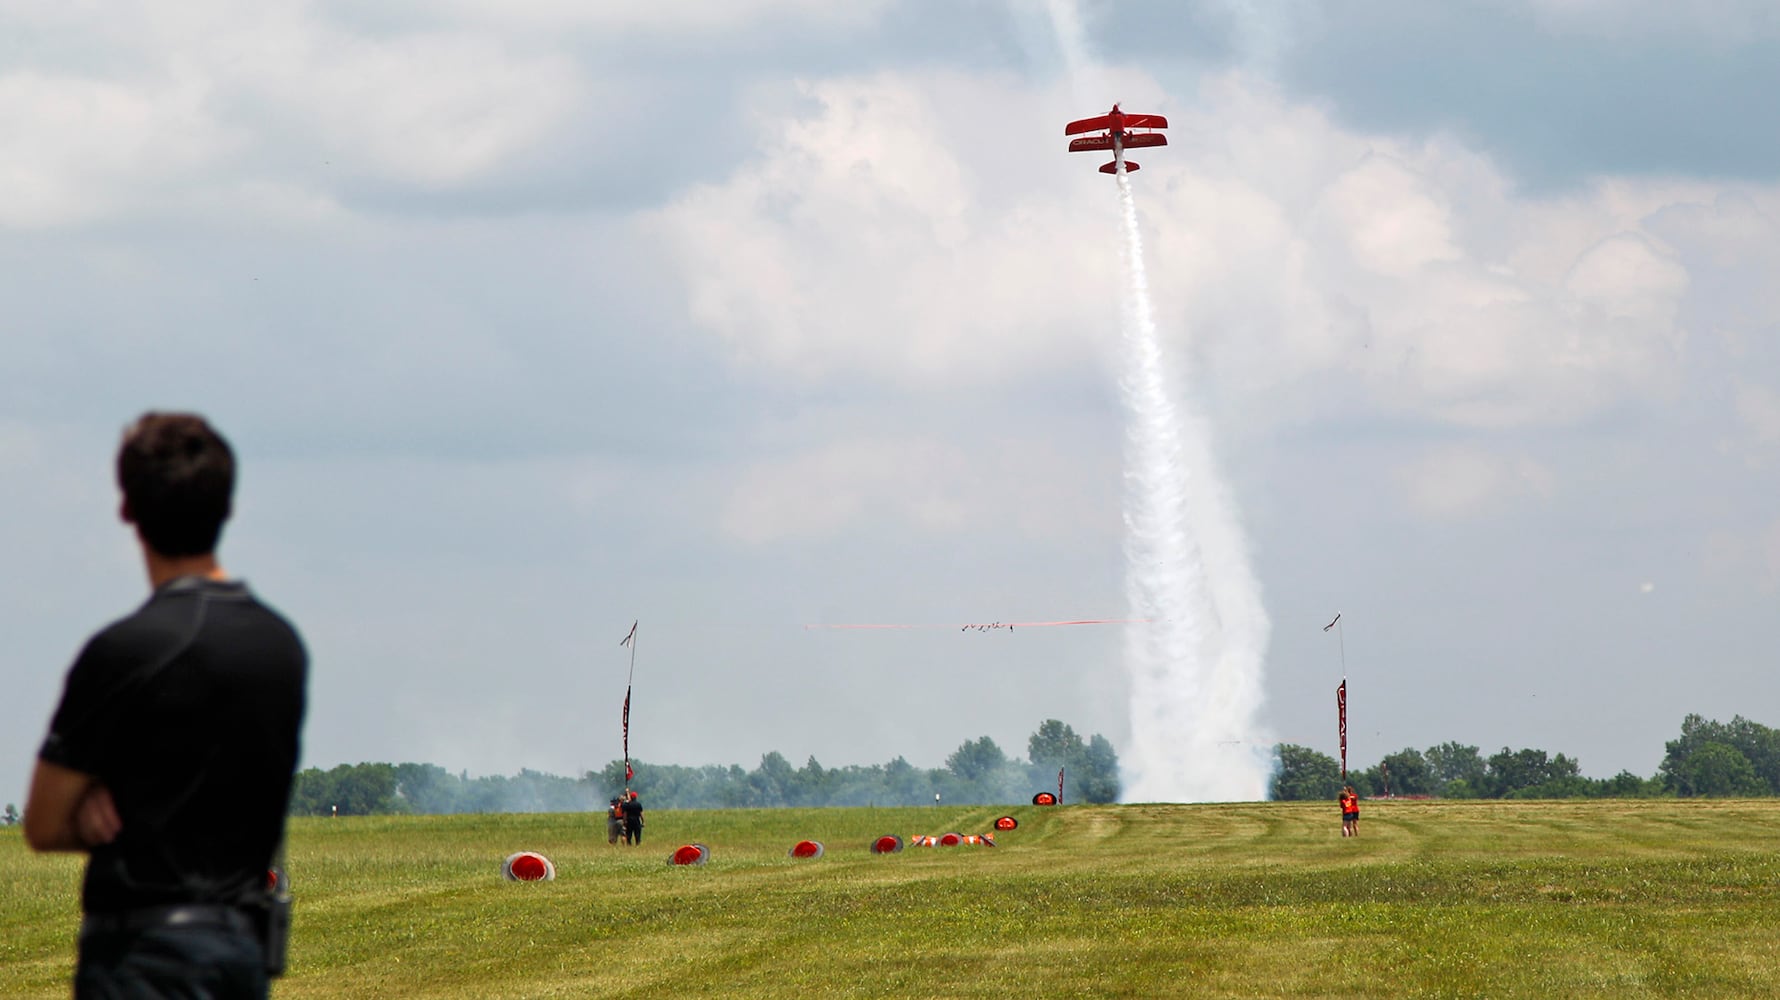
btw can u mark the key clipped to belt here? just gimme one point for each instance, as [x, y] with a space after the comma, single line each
[277, 927]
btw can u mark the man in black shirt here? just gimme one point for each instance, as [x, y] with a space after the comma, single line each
[633, 820]
[169, 760]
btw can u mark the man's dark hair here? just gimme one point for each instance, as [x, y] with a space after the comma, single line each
[177, 474]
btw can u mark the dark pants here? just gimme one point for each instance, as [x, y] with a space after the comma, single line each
[633, 831]
[188, 962]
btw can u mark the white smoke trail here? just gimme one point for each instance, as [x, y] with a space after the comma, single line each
[1088, 83]
[1196, 674]
[1072, 40]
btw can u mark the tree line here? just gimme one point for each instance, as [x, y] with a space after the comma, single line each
[1736, 758]
[978, 773]
[1710, 758]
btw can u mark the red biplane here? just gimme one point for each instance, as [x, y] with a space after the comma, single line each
[1118, 135]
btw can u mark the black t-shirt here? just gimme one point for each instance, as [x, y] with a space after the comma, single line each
[189, 711]
[633, 812]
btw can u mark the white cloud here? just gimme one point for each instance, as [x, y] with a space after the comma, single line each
[74, 149]
[872, 237]
[267, 109]
[431, 110]
[1628, 276]
[1733, 236]
[1291, 254]
[1461, 482]
[682, 18]
[930, 486]
[1759, 409]
[1391, 220]
[20, 449]
[1723, 22]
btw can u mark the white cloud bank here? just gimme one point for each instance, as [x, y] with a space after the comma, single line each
[896, 233]
[218, 110]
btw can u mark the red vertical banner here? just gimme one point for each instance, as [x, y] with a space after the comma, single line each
[628, 774]
[1059, 786]
[1341, 724]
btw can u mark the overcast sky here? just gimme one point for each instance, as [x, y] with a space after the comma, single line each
[737, 316]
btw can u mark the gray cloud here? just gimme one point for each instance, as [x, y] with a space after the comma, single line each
[1557, 92]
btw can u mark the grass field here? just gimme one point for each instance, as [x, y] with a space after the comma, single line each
[1434, 899]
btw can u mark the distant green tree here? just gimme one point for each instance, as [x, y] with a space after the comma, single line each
[1762, 746]
[346, 789]
[1514, 770]
[483, 794]
[1717, 769]
[1564, 787]
[1626, 785]
[854, 785]
[905, 785]
[1053, 745]
[771, 781]
[312, 793]
[11, 816]
[1450, 762]
[811, 785]
[977, 761]
[1406, 772]
[365, 789]
[1303, 775]
[1048, 749]
[610, 779]
[729, 787]
[1459, 788]
[427, 789]
[1090, 768]
[980, 772]
[1098, 770]
[1758, 745]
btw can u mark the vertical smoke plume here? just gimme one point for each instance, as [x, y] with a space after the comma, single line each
[1195, 674]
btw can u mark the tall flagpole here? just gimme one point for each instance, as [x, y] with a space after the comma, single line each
[630, 640]
[1341, 692]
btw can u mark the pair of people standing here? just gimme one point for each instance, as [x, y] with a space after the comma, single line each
[1350, 812]
[625, 818]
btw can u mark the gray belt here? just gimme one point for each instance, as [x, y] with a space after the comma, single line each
[178, 915]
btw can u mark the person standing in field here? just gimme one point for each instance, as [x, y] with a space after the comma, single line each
[1350, 812]
[169, 760]
[614, 820]
[633, 820]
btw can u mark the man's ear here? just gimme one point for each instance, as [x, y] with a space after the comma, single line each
[124, 513]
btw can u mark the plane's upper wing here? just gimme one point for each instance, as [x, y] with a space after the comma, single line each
[1105, 121]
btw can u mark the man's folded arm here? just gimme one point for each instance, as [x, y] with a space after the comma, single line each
[68, 810]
